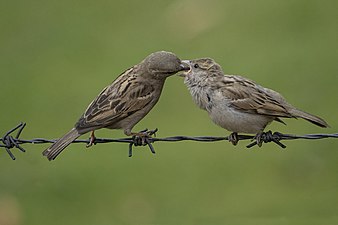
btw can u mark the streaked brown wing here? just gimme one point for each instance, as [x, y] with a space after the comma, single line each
[252, 98]
[117, 101]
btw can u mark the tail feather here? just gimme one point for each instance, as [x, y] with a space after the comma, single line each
[309, 117]
[55, 149]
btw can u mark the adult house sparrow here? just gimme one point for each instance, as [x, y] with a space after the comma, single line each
[238, 104]
[125, 102]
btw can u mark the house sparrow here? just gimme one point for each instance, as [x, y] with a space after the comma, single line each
[125, 102]
[236, 103]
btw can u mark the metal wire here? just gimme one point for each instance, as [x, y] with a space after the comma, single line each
[10, 142]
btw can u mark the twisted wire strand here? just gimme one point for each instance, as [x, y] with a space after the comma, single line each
[9, 142]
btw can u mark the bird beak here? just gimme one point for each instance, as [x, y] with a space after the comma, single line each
[185, 65]
[185, 68]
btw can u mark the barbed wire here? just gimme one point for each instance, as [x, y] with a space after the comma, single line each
[10, 142]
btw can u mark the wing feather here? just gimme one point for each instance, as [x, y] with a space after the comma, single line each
[125, 96]
[252, 98]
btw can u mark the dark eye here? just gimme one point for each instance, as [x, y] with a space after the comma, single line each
[196, 65]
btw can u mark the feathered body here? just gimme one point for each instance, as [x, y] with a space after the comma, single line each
[237, 103]
[124, 102]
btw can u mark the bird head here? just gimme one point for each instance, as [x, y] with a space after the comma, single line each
[163, 64]
[201, 68]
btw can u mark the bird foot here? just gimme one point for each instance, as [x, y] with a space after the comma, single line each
[147, 133]
[142, 138]
[233, 138]
[266, 137]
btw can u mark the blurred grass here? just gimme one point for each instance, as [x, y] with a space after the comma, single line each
[55, 57]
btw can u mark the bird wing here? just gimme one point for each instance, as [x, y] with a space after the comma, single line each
[125, 96]
[247, 96]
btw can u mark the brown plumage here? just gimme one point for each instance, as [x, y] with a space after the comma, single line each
[126, 101]
[237, 103]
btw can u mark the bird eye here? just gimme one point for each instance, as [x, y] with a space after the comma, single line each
[196, 65]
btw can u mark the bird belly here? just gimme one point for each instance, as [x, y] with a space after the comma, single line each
[240, 122]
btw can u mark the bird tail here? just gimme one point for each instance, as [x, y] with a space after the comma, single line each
[309, 117]
[55, 149]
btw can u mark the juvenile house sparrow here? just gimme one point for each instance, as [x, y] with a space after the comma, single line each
[236, 103]
[125, 102]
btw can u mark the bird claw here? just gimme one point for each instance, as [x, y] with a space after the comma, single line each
[266, 137]
[147, 132]
[233, 138]
[143, 138]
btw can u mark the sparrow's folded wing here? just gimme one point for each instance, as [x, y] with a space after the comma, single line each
[247, 96]
[125, 96]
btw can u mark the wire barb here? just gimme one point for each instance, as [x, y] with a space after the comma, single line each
[267, 137]
[10, 142]
[143, 138]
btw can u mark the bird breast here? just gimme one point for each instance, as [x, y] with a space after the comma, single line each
[234, 120]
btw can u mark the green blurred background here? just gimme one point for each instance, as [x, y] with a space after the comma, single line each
[56, 56]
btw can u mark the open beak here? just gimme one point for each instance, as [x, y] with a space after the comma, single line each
[185, 68]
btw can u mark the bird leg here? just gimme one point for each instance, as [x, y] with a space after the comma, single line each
[92, 139]
[233, 138]
[141, 139]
